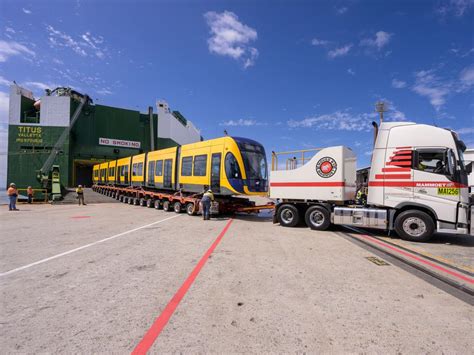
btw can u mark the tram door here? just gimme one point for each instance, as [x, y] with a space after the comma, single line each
[167, 171]
[216, 172]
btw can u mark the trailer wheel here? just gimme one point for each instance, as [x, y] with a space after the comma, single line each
[136, 201]
[317, 218]
[130, 200]
[157, 204]
[166, 206]
[125, 199]
[190, 209]
[149, 203]
[177, 207]
[414, 225]
[288, 215]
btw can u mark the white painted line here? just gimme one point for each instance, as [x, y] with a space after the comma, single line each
[83, 247]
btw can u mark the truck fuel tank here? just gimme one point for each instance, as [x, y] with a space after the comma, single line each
[361, 217]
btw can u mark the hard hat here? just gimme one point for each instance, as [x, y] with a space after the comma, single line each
[79, 186]
[209, 190]
[12, 184]
[29, 187]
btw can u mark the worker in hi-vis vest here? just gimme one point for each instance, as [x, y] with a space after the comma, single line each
[12, 193]
[206, 200]
[80, 195]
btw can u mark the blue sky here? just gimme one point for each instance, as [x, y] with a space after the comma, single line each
[290, 74]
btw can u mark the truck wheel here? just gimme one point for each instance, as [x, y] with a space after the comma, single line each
[157, 204]
[149, 203]
[317, 218]
[142, 202]
[190, 209]
[288, 215]
[177, 207]
[414, 225]
[166, 206]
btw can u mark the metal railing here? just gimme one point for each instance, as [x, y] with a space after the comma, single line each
[297, 158]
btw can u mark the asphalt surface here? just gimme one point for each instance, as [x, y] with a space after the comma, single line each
[95, 278]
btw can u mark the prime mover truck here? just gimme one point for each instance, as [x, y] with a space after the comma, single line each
[417, 185]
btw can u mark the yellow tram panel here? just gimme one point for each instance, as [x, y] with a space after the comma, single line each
[112, 171]
[138, 169]
[103, 167]
[161, 168]
[122, 174]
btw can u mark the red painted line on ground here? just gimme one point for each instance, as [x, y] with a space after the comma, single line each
[307, 184]
[159, 324]
[423, 261]
[77, 217]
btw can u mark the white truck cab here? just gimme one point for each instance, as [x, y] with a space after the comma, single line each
[417, 185]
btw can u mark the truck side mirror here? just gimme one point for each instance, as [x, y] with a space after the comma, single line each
[469, 168]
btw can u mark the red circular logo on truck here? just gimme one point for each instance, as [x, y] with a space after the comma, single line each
[326, 167]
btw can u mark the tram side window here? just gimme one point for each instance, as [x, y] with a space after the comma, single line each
[200, 165]
[151, 171]
[159, 168]
[432, 161]
[134, 169]
[140, 169]
[232, 167]
[187, 166]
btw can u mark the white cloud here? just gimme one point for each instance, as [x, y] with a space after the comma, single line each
[57, 61]
[104, 91]
[26, 11]
[350, 71]
[10, 48]
[427, 84]
[339, 52]
[231, 38]
[454, 7]
[319, 42]
[87, 43]
[393, 113]
[341, 10]
[398, 84]
[465, 130]
[41, 86]
[60, 39]
[241, 122]
[467, 77]
[9, 30]
[380, 40]
[340, 120]
[4, 82]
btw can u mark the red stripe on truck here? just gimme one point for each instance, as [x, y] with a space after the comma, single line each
[393, 176]
[395, 170]
[308, 184]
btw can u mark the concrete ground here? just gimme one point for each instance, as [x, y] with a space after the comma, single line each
[265, 288]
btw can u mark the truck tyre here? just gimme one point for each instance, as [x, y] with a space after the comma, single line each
[190, 209]
[149, 203]
[166, 206]
[288, 215]
[177, 207]
[414, 225]
[317, 218]
[142, 202]
[157, 204]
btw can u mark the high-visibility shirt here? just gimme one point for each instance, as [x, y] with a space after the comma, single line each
[208, 196]
[79, 190]
[12, 191]
[29, 191]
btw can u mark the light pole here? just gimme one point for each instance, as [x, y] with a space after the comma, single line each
[381, 107]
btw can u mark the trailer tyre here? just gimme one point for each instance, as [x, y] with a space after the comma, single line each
[166, 206]
[177, 207]
[317, 218]
[190, 209]
[157, 204]
[288, 215]
[413, 225]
